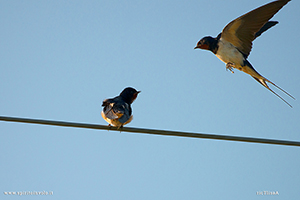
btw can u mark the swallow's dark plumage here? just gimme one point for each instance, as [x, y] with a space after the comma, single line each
[117, 111]
[234, 44]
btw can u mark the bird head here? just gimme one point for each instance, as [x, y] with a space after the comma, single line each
[204, 43]
[129, 94]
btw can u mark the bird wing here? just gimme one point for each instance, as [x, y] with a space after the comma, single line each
[126, 113]
[116, 108]
[241, 31]
[109, 111]
[267, 25]
[113, 108]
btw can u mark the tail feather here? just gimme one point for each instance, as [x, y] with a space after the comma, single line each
[263, 82]
[247, 68]
[281, 89]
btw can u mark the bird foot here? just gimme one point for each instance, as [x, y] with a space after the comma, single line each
[230, 66]
[120, 128]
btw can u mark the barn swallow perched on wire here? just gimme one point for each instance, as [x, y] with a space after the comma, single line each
[234, 43]
[117, 111]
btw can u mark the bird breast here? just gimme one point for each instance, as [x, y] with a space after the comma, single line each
[229, 53]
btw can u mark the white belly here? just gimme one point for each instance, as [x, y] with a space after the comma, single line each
[115, 122]
[228, 53]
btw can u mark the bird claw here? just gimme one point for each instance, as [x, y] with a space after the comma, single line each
[120, 128]
[230, 66]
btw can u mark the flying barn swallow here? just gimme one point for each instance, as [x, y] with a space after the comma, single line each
[234, 43]
[117, 111]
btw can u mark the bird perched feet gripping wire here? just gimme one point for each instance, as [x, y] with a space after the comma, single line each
[117, 111]
[234, 43]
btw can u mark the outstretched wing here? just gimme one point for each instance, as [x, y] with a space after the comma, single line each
[241, 31]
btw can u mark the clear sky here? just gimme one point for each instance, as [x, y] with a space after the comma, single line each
[61, 59]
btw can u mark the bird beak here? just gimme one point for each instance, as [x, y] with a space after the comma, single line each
[138, 92]
[196, 47]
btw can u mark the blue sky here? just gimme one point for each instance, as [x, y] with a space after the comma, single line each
[61, 59]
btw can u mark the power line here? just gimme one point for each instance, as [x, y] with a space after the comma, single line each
[151, 131]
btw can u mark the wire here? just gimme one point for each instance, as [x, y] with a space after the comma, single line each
[152, 131]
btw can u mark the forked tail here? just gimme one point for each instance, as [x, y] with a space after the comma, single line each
[263, 82]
